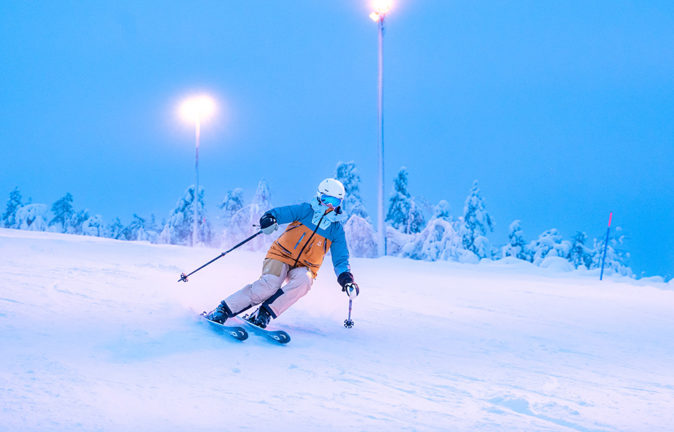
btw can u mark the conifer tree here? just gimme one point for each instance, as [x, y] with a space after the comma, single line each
[63, 213]
[232, 203]
[616, 257]
[580, 254]
[13, 204]
[442, 211]
[136, 229]
[115, 230]
[244, 222]
[403, 213]
[76, 221]
[437, 241]
[94, 226]
[347, 173]
[477, 223]
[517, 246]
[549, 243]
[179, 227]
[32, 217]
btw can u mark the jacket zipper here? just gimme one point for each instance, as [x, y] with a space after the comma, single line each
[310, 237]
[298, 241]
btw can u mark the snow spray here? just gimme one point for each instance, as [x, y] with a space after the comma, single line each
[603, 257]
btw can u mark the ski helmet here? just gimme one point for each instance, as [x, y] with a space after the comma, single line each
[331, 187]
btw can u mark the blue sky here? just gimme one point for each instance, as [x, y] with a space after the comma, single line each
[563, 112]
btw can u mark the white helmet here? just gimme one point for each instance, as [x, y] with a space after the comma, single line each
[332, 187]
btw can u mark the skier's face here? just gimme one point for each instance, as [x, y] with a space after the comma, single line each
[330, 201]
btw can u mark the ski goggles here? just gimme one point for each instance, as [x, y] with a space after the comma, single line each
[330, 200]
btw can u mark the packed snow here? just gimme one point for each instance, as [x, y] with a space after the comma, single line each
[98, 335]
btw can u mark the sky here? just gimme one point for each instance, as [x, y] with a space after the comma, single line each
[562, 112]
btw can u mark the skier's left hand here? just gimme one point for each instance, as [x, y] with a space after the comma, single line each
[268, 223]
[351, 289]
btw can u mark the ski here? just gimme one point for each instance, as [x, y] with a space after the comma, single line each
[237, 332]
[278, 336]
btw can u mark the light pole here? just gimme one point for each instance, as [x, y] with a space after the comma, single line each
[195, 110]
[380, 9]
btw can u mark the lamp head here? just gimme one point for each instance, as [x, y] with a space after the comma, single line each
[197, 109]
[380, 9]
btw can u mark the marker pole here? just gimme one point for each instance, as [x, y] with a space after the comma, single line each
[603, 258]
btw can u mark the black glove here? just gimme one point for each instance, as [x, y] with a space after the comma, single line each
[351, 290]
[348, 285]
[268, 223]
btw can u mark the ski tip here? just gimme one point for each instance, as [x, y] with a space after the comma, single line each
[282, 338]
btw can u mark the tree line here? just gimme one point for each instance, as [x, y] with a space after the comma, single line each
[414, 228]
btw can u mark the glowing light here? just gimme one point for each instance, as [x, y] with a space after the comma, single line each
[375, 16]
[381, 7]
[197, 109]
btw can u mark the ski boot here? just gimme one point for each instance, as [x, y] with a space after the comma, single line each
[260, 317]
[221, 313]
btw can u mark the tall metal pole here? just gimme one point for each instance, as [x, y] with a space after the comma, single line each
[381, 243]
[197, 134]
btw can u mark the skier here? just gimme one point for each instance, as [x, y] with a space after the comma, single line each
[295, 257]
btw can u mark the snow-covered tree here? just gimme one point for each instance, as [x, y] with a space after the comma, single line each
[115, 230]
[63, 213]
[517, 246]
[580, 254]
[347, 173]
[438, 241]
[135, 230]
[361, 237]
[549, 243]
[243, 221]
[179, 227]
[32, 217]
[396, 240]
[74, 226]
[13, 204]
[477, 223]
[403, 213]
[138, 231]
[262, 197]
[616, 258]
[94, 226]
[232, 203]
[442, 211]
[153, 228]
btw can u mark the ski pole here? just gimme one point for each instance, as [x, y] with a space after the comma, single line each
[348, 323]
[183, 276]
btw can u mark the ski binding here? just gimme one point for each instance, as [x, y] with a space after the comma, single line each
[237, 332]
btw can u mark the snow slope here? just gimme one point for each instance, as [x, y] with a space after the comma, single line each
[96, 334]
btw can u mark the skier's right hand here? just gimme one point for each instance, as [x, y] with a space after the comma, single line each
[268, 223]
[348, 285]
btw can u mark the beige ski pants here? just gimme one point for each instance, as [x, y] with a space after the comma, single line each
[268, 290]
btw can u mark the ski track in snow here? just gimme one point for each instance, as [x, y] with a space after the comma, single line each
[97, 335]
